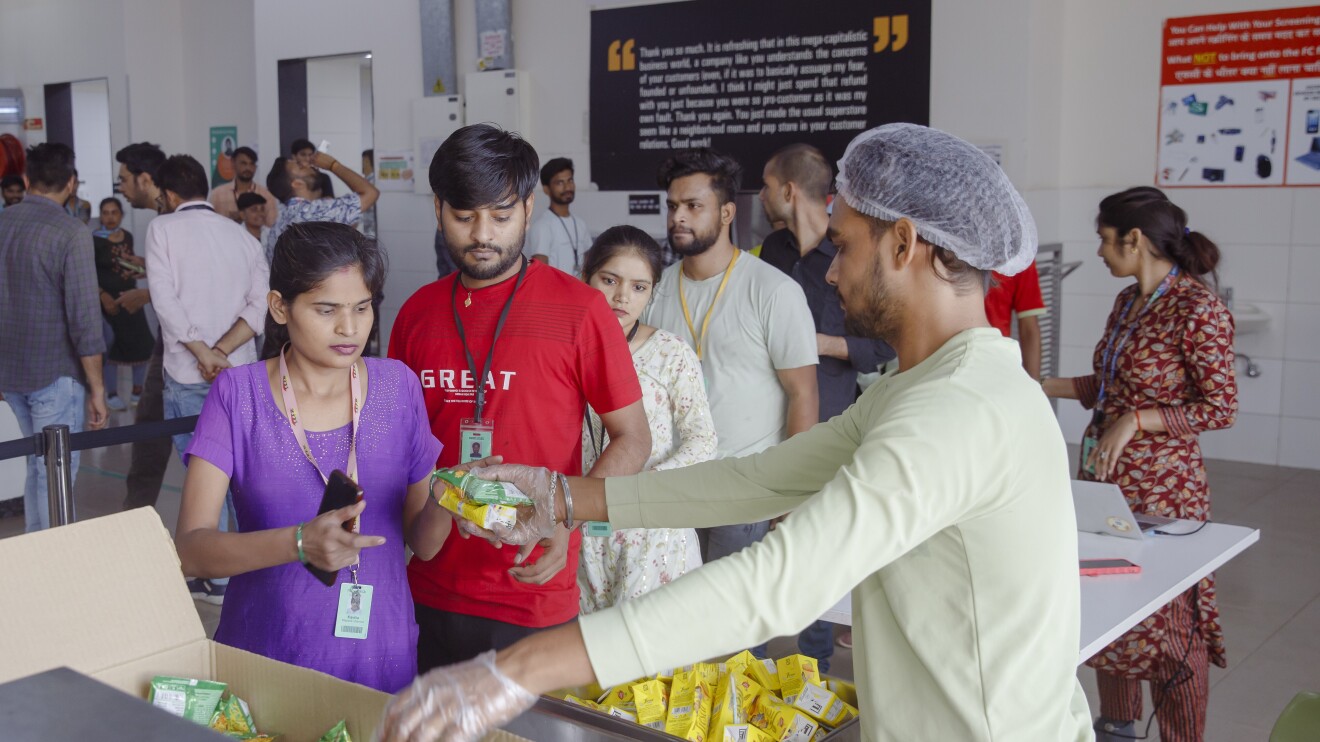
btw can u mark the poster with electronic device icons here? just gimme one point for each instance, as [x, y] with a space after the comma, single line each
[1304, 142]
[1230, 134]
[1240, 100]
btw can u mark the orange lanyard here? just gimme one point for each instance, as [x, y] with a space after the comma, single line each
[700, 340]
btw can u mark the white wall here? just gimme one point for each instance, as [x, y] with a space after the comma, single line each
[219, 77]
[406, 222]
[1270, 237]
[334, 109]
[91, 137]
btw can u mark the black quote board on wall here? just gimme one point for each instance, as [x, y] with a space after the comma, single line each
[748, 77]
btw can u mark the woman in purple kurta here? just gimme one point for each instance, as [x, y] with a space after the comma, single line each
[283, 612]
[245, 441]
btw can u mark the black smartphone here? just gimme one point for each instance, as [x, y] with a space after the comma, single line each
[340, 492]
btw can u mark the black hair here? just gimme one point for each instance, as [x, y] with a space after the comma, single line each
[306, 254]
[946, 264]
[9, 181]
[50, 166]
[621, 239]
[370, 154]
[1165, 225]
[805, 167]
[249, 199]
[483, 165]
[554, 167]
[299, 145]
[724, 171]
[251, 153]
[141, 157]
[110, 200]
[278, 181]
[183, 176]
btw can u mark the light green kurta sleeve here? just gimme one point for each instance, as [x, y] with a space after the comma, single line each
[744, 490]
[895, 489]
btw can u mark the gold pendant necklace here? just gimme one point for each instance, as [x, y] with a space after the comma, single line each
[468, 303]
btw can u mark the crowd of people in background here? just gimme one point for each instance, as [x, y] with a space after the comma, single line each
[543, 343]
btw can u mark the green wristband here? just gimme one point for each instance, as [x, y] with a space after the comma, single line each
[298, 535]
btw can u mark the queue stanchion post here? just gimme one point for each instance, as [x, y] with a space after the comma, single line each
[59, 473]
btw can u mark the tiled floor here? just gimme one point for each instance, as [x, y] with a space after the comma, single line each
[1269, 596]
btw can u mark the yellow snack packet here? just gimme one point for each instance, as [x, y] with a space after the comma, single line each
[668, 675]
[732, 706]
[795, 672]
[652, 700]
[710, 672]
[784, 722]
[847, 692]
[689, 707]
[582, 702]
[620, 713]
[765, 673]
[743, 733]
[620, 695]
[740, 661]
[823, 706]
[486, 516]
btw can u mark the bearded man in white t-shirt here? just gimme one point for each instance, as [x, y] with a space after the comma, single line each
[749, 323]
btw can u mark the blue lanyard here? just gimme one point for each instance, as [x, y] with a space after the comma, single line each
[1109, 359]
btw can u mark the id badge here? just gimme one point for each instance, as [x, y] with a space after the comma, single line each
[475, 439]
[354, 615]
[597, 528]
[1088, 445]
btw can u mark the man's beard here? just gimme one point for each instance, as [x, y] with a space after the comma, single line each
[248, 179]
[879, 316]
[700, 242]
[563, 200]
[486, 270]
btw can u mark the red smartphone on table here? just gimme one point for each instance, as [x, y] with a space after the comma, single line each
[1093, 567]
[340, 492]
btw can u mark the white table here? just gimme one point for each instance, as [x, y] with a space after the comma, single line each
[1112, 604]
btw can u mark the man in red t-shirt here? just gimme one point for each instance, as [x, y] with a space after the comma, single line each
[546, 346]
[1019, 295]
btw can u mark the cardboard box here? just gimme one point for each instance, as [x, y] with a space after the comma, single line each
[106, 597]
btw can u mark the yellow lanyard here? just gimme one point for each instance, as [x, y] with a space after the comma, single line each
[700, 340]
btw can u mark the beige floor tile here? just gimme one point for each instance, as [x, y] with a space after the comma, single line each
[1256, 691]
[1217, 467]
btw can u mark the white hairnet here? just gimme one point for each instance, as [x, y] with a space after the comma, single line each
[953, 192]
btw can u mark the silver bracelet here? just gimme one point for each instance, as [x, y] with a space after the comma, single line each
[554, 483]
[568, 504]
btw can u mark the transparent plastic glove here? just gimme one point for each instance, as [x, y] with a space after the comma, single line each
[459, 702]
[537, 483]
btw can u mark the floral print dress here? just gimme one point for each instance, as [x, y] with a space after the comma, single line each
[635, 561]
[1178, 360]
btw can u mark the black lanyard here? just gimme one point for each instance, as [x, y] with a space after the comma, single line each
[572, 241]
[490, 356]
[195, 207]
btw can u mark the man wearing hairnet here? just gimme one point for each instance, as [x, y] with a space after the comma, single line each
[939, 500]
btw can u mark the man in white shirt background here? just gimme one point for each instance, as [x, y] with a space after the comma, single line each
[209, 279]
[557, 237]
[749, 323]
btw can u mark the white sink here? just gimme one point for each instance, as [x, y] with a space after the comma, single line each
[1249, 318]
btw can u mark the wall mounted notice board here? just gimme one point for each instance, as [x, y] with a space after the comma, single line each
[1240, 100]
[748, 77]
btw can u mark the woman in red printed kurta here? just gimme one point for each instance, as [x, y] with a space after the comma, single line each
[1163, 374]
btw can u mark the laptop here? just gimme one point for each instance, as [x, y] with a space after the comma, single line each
[1312, 158]
[1101, 508]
